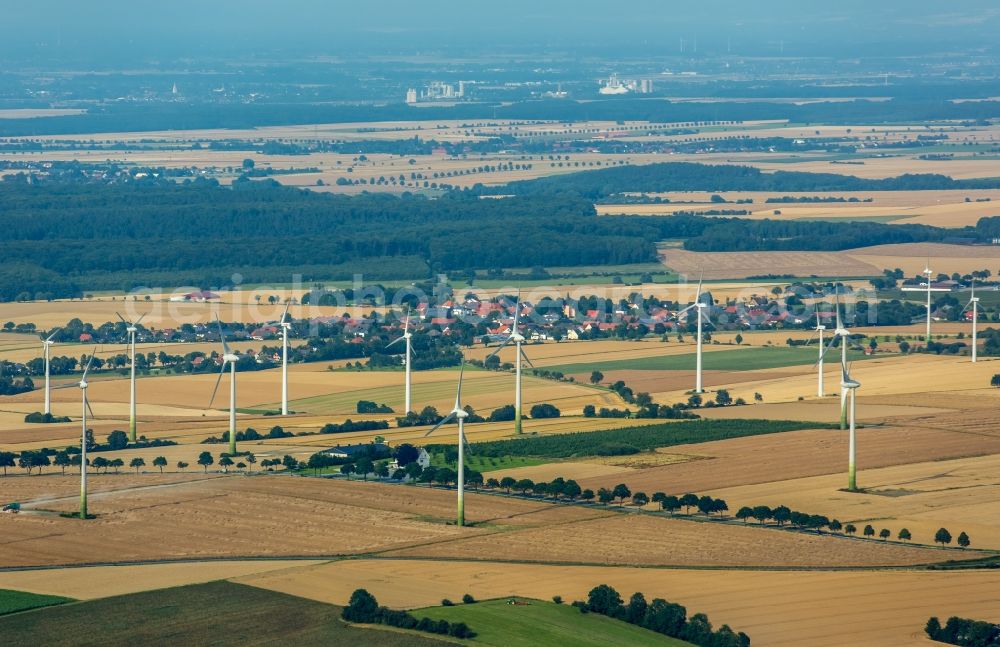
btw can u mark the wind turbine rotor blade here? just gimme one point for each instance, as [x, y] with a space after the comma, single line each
[701, 279]
[704, 318]
[445, 420]
[285, 313]
[500, 347]
[458, 394]
[87, 369]
[526, 358]
[394, 342]
[87, 402]
[122, 318]
[686, 310]
[222, 337]
[54, 332]
[517, 309]
[141, 317]
[217, 382]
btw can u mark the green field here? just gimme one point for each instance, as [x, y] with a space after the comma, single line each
[486, 464]
[738, 359]
[217, 613]
[544, 624]
[668, 434]
[14, 601]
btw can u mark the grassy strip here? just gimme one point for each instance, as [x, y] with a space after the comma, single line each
[14, 601]
[643, 438]
[534, 623]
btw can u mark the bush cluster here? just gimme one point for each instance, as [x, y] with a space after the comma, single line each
[364, 608]
[660, 616]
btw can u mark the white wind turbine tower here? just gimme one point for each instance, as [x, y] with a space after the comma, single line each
[843, 335]
[819, 331]
[699, 307]
[519, 355]
[46, 346]
[459, 414]
[82, 385]
[847, 383]
[285, 325]
[973, 304]
[227, 358]
[131, 328]
[407, 336]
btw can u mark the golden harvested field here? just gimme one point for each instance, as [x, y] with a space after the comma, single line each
[800, 454]
[961, 495]
[738, 265]
[259, 516]
[774, 608]
[936, 208]
[947, 259]
[92, 582]
[644, 540]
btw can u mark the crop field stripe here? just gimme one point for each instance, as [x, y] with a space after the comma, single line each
[14, 601]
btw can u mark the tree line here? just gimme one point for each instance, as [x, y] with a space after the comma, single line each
[661, 616]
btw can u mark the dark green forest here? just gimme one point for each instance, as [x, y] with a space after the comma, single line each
[115, 117]
[62, 238]
[688, 176]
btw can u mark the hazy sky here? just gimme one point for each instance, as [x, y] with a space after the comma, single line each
[119, 29]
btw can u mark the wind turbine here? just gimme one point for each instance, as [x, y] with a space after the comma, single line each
[928, 289]
[131, 328]
[407, 336]
[974, 305]
[519, 354]
[699, 307]
[847, 383]
[46, 345]
[839, 333]
[458, 413]
[227, 358]
[285, 325]
[82, 384]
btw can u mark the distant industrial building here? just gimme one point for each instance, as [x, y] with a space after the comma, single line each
[613, 85]
[437, 91]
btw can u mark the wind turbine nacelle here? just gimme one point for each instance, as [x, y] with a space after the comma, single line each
[850, 384]
[230, 358]
[461, 413]
[84, 385]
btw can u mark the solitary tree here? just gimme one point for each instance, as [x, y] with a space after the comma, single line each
[869, 531]
[161, 462]
[507, 483]
[762, 513]
[365, 467]
[225, 462]
[850, 529]
[137, 462]
[181, 465]
[596, 377]
[942, 536]
[884, 534]
[116, 463]
[671, 504]
[963, 540]
[205, 459]
[250, 459]
[605, 496]
[744, 514]
[689, 501]
[640, 499]
[835, 525]
[904, 535]
[347, 470]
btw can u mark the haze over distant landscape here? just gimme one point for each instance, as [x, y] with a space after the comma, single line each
[528, 324]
